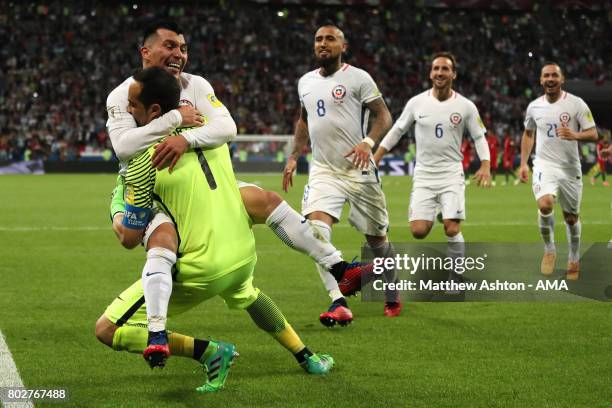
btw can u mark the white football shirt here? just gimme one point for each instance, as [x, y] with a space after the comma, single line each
[545, 117]
[439, 127]
[337, 118]
[128, 140]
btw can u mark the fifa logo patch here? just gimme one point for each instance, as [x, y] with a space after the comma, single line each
[339, 92]
[480, 122]
[455, 119]
[564, 118]
[214, 101]
[114, 112]
[136, 217]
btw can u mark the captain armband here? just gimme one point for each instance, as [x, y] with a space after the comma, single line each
[136, 217]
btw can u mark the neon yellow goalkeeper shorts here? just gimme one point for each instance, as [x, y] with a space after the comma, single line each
[236, 288]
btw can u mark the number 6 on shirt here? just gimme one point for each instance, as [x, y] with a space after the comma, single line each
[439, 131]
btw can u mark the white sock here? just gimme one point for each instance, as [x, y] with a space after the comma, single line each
[302, 235]
[157, 286]
[386, 250]
[328, 279]
[547, 230]
[573, 238]
[456, 248]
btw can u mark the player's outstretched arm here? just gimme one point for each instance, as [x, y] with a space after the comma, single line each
[380, 153]
[589, 135]
[300, 140]
[526, 148]
[381, 123]
[400, 127]
[380, 118]
[219, 128]
[483, 175]
[127, 138]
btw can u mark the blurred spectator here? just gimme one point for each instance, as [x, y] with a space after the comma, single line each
[59, 60]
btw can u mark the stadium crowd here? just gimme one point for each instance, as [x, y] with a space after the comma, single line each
[59, 60]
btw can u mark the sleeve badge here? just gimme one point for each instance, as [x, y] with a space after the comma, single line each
[214, 101]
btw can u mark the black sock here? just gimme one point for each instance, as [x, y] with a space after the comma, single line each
[337, 270]
[199, 347]
[341, 301]
[302, 355]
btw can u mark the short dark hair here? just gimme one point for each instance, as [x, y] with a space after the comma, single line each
[550, 62]
[446, 54]
[158, 86]
[151, 28]
[328, 22]
[331, 23]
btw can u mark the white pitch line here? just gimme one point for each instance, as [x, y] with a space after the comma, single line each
[9, 376]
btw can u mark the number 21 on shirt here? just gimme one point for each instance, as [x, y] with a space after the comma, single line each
[552, 129]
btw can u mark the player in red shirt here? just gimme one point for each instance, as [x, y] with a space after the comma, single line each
[601, 161]
[493, 143]
[508, 158]
[466, 150]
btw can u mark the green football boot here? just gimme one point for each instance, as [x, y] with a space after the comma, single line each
[117, 204]
[217, 366]
[318, 364]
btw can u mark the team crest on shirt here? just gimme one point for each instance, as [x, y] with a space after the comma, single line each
[455, 118]
[536, 188]
[564, 118]
[339, 92]
[185, 102]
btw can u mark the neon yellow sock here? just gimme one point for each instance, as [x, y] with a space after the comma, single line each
[268, 317]
[180, 345]
[289, 339]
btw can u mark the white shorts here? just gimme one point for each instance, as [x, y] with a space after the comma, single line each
[368, 207]
[425, 202]
[564, 184]
[159, 217]
[245, 184]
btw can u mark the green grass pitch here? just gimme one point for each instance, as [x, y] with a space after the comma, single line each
[60, 266]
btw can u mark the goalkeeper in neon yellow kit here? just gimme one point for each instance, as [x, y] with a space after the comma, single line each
[216, 248]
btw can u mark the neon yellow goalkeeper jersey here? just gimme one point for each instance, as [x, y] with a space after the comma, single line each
[202, 198]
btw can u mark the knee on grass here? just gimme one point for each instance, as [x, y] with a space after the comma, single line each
[105, 330]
